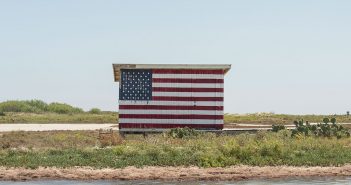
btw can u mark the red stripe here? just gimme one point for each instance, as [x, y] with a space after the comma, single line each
[171, 116]
[186, 80]
[154, 125]
[187, 71]
[174, 89]
[172, 98]
[169, 107]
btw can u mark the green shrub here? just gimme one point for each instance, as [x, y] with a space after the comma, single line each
[95, 111]
[2, 114]
[276, 128]
[183, 132]
[31, 106]
[39, 104]
[17, 106]
[62, 108]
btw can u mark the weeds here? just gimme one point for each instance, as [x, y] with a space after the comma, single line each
[204, 150]
[109, 138]
[329, 128]
[185, 132]
[278, 127]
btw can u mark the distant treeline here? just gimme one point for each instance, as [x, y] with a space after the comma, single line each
[39, 106]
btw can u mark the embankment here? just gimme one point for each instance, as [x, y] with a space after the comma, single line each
[171, 173]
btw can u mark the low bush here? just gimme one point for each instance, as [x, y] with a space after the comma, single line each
[2, 113]
[18, 106]
[95, 111]
[62, 108]
[38, 106]
[278, 127]
[185, 132]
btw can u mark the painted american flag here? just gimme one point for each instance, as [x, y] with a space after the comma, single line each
[170, 98]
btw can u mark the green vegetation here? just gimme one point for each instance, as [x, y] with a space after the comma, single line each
[105, 117]
[38, 106]
[183, 133]
[67, 149]
[271, 118]
[328, 128]
[95, 111]
[48, 140]
[277, 128]
[37, 111]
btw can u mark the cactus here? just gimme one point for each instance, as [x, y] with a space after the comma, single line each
[324, 130]
[326, 120]
[333, 120]
[276, 128]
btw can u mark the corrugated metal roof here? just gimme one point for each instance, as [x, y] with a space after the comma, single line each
[117, 67]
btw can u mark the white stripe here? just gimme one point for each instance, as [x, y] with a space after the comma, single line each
[181, 103]
[170, 121]
[188, 94]
[189, 85]
[189, 76]
[176, 112]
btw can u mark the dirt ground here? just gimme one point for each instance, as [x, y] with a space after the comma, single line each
[171, 173]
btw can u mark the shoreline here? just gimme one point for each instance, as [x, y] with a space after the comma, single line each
[171, 173]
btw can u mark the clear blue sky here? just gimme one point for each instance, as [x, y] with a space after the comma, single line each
[287, 56]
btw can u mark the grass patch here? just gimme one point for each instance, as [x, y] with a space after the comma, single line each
[271, 118]
[37, 111]
[49, 140]
[204, 150]
[104, 117]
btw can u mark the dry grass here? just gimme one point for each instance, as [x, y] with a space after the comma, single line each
[109, 138]
[45, 140]
[104, 117]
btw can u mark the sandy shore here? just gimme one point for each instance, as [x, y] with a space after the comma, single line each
[171, 173]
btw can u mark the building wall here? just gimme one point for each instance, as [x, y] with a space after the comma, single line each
[169, 98]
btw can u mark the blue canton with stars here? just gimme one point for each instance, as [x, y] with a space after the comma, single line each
[136, 84]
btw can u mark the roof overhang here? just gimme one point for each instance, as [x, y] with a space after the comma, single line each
[117, 67]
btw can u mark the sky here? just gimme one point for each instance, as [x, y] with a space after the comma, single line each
[290, 57]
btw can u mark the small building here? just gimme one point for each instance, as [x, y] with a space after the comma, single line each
[155, 97]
